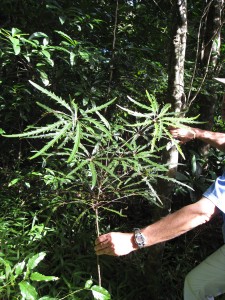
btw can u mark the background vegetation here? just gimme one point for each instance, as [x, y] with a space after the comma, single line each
[85, 152]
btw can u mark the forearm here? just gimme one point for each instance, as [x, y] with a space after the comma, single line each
[118, 243]
[215, 139]
[177, 223]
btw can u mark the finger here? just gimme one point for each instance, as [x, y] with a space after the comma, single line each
[101, 239]
[101, 246]
[106, 251]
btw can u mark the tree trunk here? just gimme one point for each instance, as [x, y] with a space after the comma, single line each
[176, 97]
[210, 49]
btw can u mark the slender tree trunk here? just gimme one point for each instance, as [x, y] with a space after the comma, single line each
[176, 97]
[210, 42]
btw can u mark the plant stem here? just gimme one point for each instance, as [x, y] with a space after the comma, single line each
[98, 233]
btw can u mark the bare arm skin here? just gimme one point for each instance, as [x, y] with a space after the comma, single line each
[169, 227]
[215, 139]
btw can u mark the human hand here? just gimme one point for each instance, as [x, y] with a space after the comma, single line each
[183, 134]
[115, 244]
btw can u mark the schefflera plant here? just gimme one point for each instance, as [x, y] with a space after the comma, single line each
[107, 161]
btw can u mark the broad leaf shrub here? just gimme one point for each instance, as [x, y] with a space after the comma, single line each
[91, 166]
[21, 277]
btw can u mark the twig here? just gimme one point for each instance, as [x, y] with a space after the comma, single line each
[98, 233]
[113, 49]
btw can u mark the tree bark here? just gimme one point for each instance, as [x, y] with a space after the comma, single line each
[210, 42]
[177, 98]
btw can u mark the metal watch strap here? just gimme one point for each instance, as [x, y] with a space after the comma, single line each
[139, 238]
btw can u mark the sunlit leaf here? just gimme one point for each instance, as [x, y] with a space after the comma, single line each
[51, 95]
[58, 136]
[35, 260]
[97, 108]
[36, 276]
[93, 174]
[28, 291]
[100, 293]
[76, 143]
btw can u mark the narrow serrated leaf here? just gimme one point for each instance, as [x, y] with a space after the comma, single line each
[80, 166]
[94, 109]
[53, 141]
[153, 102]
[106, 169]
[76, 143]
[103, 119]
[138, 103]
[98, 125]
[93, 174]
[36, 131]
[51, 95]
[19, 267]
[131, 112]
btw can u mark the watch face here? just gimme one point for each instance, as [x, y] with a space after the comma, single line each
[139, 239]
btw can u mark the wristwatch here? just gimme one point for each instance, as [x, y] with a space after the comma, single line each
[139, 238]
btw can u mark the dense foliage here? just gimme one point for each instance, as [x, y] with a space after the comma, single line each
[85, 145]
